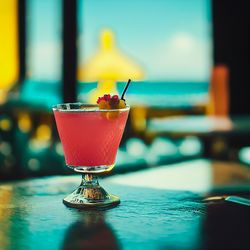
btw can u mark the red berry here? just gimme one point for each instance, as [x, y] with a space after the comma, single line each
[107, 97]
[115, 97]
[100, 99]
[114, 101]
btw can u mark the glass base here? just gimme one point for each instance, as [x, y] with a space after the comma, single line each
[90, 195]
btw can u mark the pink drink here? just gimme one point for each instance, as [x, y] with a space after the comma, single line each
[90, 137]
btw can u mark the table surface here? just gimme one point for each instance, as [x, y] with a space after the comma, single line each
[161, 208]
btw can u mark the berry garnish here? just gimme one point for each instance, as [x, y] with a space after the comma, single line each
[103, 105]
[111, 102]
[114, 102]
[107, 97]
[122, 104]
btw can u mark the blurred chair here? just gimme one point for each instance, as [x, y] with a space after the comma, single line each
[212, 124]
[217, 105]
[222, 135]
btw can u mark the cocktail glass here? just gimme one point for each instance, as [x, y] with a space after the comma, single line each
[90, 138]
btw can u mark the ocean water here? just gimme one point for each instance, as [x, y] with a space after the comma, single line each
[154, 87]
[147, 93]
[159, 93]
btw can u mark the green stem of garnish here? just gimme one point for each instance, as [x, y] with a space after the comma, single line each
[124, 91]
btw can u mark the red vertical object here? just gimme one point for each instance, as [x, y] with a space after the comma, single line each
[219, 91]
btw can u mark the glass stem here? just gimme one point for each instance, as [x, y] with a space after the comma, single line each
[89, 180]
[90, 188]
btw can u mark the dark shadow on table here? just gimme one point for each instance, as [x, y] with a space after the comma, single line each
[226, 226]
[90, 232]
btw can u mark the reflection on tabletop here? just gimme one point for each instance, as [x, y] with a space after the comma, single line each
[90, 232]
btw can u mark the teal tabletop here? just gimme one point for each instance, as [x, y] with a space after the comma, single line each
[161, 208]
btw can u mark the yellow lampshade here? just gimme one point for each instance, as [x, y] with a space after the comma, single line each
[107, 66]
[109, 63]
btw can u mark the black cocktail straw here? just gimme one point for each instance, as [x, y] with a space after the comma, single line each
[125, 89]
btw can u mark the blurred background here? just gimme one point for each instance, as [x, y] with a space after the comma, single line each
[188, 61]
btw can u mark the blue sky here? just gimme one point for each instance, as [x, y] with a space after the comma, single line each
[170, 39]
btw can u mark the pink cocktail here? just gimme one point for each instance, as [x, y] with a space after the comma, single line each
[90, 138]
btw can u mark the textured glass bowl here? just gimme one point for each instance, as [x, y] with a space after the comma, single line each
[90, 138]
